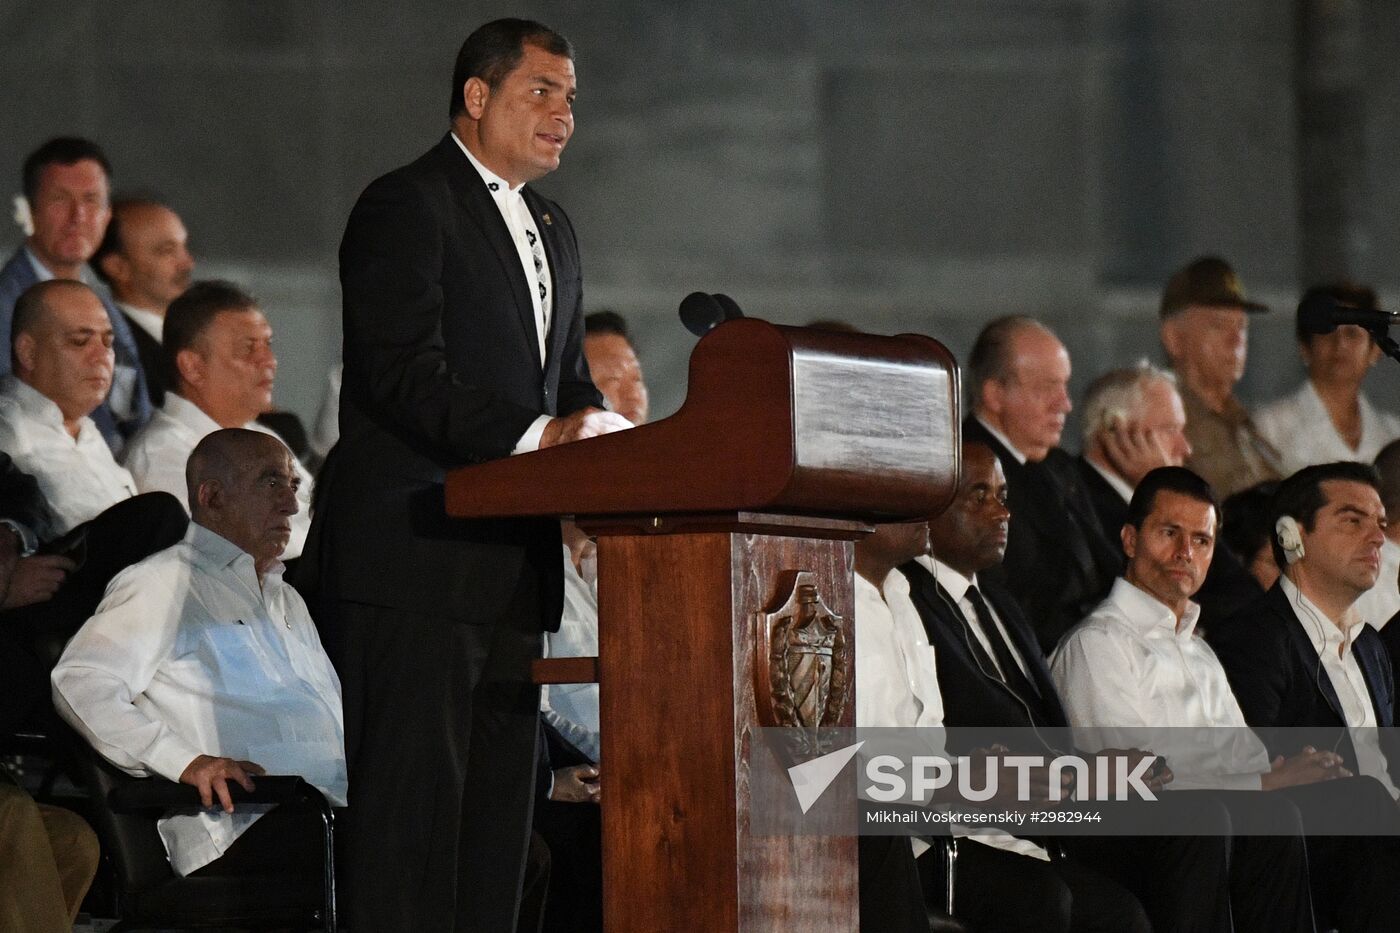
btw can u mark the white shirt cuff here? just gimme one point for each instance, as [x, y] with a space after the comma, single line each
[28, 542]
[530, 440]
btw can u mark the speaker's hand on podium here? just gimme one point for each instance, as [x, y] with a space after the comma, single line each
[589, 422]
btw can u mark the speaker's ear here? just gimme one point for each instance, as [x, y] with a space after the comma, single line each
[1290, 538]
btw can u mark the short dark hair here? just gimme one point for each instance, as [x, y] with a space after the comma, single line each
[190, 314]
[31, 306]
[61, 150]
[1168, 479]
[112, 240]
[990, 357]
[1301, 496]
[1247, 524]
[606, 322]
[1348, 293]
[493, 50]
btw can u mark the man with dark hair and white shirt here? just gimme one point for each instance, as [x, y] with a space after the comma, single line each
[221, 369]
[203, 666]
[61, 350]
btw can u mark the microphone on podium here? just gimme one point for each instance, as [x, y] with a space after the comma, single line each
[702, 312]
[1322, 314]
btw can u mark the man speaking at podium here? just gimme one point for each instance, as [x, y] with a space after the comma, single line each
[463, 335]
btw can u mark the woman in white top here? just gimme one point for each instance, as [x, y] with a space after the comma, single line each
[1329, 418]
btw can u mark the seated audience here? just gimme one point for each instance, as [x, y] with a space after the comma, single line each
[1058, 563]
[1205, 323]
[1382, 601]
[613, 365]
[220, 364]
[991, 674]
[66, 186]
[201, 665]
[145, 260]
[1329, 418]
[1302, 656]
[61, 349]
[1003, 882]
[1136, 664]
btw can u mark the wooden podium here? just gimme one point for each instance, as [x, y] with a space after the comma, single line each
[725, 590]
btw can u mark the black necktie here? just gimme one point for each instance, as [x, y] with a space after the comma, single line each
[1011, 673]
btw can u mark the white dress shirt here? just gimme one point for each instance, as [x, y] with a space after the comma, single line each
[573, 708]
[153, 324]
[156, 456]
[1380, 603]
[78, 476]
[514, 211]
[187, 655]
[897, 684]
[1129, 669]
[1299, 426]
[1333, 646]
[957, 586]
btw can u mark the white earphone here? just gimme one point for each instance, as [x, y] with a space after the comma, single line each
[1290, 538]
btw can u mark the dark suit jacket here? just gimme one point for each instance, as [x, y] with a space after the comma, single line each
[1280, 683]
[1058, 564]
[20, 498]
[152, 360]
[971, 697]
[442, 369]
[1109, 507]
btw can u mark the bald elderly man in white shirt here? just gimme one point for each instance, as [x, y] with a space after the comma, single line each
[203, 666]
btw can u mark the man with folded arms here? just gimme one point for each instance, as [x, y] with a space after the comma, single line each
[203, 666]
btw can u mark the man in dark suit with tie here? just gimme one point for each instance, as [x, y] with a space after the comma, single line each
[1058, 563]
[992, 675]
[463, 335]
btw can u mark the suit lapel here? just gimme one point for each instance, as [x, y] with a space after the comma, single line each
[475, 200]
[1370, 655]
[1303, 647]
[1024, 641]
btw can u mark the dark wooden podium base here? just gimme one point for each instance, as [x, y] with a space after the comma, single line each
[677, 708]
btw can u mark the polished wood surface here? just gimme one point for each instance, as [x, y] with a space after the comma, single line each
[679, 854]
[781, 419]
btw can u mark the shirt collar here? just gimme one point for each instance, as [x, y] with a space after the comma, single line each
[34, 403]
[497, 185]
[1322, 632]
[1002, 438]
[40, 270]
[221, 553]
[149, 321]
[189, 414]
[1149, 615]
[954, 583]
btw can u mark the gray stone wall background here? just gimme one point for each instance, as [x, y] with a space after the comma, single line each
[905, 166]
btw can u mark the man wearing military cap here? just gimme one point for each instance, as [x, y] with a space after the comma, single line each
[1204, 330]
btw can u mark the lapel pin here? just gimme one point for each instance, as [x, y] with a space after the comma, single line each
[548, 221]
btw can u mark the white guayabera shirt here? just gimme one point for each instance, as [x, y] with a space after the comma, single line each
[188, 656]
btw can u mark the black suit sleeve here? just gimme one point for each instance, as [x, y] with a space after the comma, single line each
[391, 261]
[1253, 657]
[20, 499]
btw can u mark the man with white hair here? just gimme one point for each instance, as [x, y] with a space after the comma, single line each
[1134, 422]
